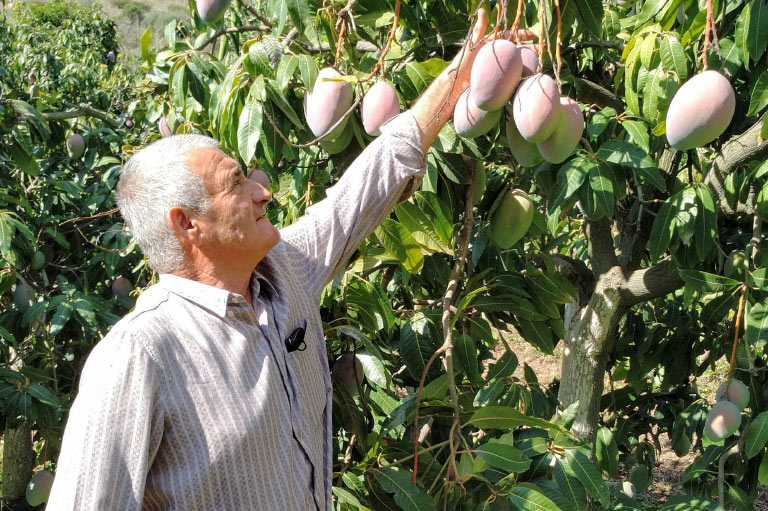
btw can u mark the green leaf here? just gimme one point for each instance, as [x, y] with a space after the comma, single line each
[61, 317]
[264, 56]
[302, 13]
[285, 71]
[571, 487]
[607, 452]
[740, 499]
[415, 348]
[466, 353]
[397, 240]
[43, 395]
[706, 221]
[279, 99]
[504, 366]
[755, 28]
[762, 471]
[525, 497]
[602, 185]
[648, 50]
[707, 282]
[504, 417]
[757, 435]
[424, 227]
[673, 56]
[145, 41]
[374, 369]
[249, 128]
[759, 96]
[504, 457]
[756, 329]
[591, 13]
[407, 495]
[663, 228]
[418, 75]
[569, 179]
[588, 474]
[538, 333]
[625, 153]
[638, 132]
[308, 71]
[690, 503]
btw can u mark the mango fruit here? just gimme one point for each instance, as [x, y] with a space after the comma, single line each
[469, 120]
[479, 178]
[526, 153]
[348, 371]
[23, 295]
[722, 420]
[380, 104]
[495, 74]
[736, 265]
[567, 133]
[122, 286]
[328, 102]
[530, 61]
[163, 127]
[212, 11]
[75, 146]
[700, 111]
[738, 393]
[339, 142]
[38, 260]
[511, 219]
[536, 108]
[39, 488]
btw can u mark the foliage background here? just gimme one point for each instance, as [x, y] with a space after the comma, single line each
[640, 207]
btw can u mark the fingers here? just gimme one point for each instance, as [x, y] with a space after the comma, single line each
[481, 25]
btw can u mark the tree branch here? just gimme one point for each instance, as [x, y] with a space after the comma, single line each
[649, 283]
[602, 252]
[738, 151]
[590, 92]
[359, 46]
[615, 45]
[79, 111]
[234, 30]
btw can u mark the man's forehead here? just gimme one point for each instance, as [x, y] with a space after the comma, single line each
[209, 161]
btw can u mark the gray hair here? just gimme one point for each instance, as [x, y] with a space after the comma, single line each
[153, 181]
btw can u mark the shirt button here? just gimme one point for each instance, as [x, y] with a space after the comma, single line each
[230, 314]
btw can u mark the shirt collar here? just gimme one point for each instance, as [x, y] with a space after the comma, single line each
[213, 298]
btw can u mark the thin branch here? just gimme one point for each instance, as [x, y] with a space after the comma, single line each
[258, 15]
[735, 153]
[234, 30]
[97, 215]
[613, 45]
[79, 111]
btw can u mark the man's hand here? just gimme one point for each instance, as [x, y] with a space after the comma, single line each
[435, 107]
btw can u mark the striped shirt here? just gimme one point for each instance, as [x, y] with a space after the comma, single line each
[192, 402]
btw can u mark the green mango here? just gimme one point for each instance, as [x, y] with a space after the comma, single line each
[511, 219]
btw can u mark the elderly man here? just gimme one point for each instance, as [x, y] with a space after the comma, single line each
[195, 401]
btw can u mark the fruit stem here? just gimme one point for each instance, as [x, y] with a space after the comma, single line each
[559, 43]
[707, 29]
[340, 42]
[735, 337]
[542, 39]
[500, 12]
[380, 64]
[516, 24]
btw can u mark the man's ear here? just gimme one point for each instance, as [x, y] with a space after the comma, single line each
[184, 226]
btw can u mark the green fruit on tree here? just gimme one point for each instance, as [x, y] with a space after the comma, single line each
[39, 488]
[700, 111]
[329, 100]
[75, 146]
[526, 153]
[380, 104]
[736, 265]
[722, 420]
[212, 11]
[511, 219]
[738, 393]
[682, 445]
[567, 133]
[469, 121]
[338, 143]
[495, 74]
[23, 295]
[348, 371]
[38, 260]
[536, 108]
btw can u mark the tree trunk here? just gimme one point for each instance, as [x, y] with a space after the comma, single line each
[589, 339]
[18, 461]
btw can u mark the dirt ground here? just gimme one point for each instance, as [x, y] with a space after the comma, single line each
[668, 475]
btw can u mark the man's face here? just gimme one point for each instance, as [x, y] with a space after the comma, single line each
[235, 228]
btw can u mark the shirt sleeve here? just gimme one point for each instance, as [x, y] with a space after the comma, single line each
[113, 430]
[390, 168]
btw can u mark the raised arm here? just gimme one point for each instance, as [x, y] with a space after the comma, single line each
[322, 241]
